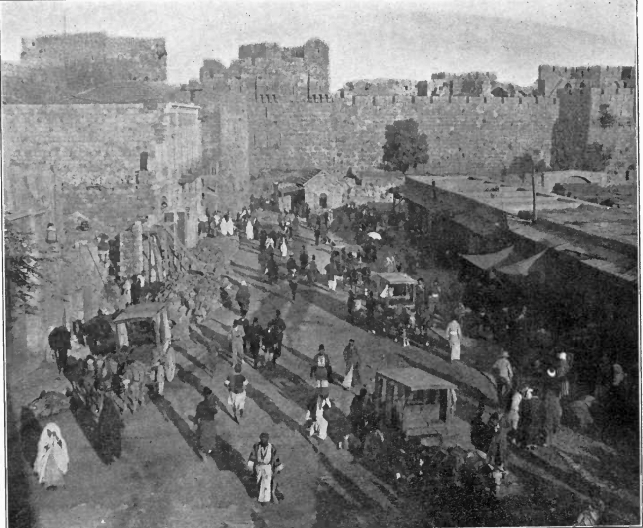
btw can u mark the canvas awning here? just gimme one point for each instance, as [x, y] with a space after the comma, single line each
[415, 379]
[396, 278]
[523, 267]
[489, 260]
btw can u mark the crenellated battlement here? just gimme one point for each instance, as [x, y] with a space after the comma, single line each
[580, 95]
[584, 70]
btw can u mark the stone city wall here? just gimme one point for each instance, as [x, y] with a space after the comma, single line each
[465, 135]
[476, 135]
[92, 145]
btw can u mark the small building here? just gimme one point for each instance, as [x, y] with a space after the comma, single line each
[328, 190]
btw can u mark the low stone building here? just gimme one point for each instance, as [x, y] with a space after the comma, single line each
[330, 190]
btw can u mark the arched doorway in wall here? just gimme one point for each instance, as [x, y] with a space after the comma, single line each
[323, 201]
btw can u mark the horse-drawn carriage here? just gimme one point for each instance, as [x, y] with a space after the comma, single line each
[396, 288]
[414, 402]
[141, 356]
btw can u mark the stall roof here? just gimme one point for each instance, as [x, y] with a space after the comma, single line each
[139, 311]
[397, 278]
[522, 267]
[415, 378]
[489, 260]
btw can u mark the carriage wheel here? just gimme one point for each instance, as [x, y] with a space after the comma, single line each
[160, 380]
[170, 364]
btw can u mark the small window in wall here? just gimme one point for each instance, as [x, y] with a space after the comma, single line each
[143, 164]
[323, 201]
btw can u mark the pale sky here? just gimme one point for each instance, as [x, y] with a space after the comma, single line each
[367, 39]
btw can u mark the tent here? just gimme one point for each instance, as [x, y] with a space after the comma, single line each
[522, 267]
[489, 260]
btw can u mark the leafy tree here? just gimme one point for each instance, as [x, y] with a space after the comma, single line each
[20, 266]
[405, 147]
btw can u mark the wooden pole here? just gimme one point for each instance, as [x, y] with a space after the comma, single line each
[533, 188]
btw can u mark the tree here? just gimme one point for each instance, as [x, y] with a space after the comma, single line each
[20, 266]
[405, 147]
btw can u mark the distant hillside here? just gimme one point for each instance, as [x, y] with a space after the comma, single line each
[414, 45]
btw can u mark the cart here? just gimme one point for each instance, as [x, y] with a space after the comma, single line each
[414, 402]
[145, 330]
[401, 287]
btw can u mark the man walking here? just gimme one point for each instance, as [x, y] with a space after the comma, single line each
[292, 283]
[253, 339]
[236, 384]
[303, 259]
[321, 369]
[243, 297]
[454, 335]
[265, 464]
[312, 271]
[236, 342]
[291, 266]
[421, 297]
[331, 271]
[504, 376]
[272, 269]
[352, 361]
[552, 410]
[279, 327]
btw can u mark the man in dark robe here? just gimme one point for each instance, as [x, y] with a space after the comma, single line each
[279, 328]
[204, 418]
[262, 240]
[253, 336]
[243, 296]
[303, 259]
[109, 430]
[479, 430]
[359, 414]
[312, 271]
[273, 269]
[60, 343]
[291, 266]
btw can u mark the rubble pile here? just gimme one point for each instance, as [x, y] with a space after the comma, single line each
[216, 254]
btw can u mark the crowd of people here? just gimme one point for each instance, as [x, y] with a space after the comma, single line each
[530, 409]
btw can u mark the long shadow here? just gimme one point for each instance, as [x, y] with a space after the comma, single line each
[301, 393]
[193, 359]
[228, 459]
[30, 431]
[363, 499]
[574, 481]
[225, 456]
[278, 372]
[194, 381]
[168, 412]
[20, 511]
[87, 423]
